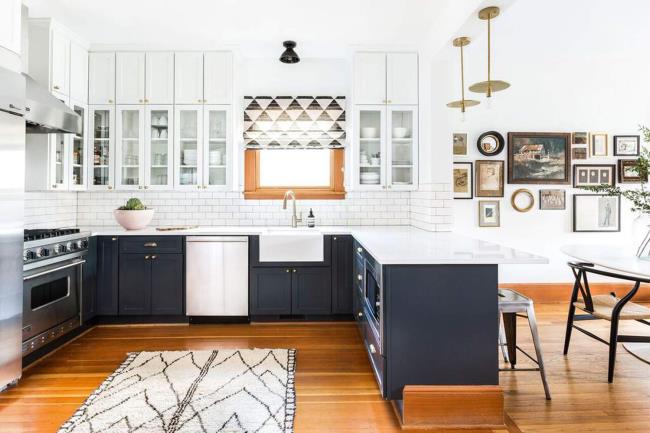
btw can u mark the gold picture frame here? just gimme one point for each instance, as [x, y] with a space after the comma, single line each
[525, 192]
[598, 144]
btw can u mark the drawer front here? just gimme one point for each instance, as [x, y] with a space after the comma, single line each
[373, 348]
[358, 251]
[358, 273]
[151, 244]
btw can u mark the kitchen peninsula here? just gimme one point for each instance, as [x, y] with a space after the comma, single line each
[425, 302]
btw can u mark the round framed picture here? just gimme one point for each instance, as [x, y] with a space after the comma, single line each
[490, 143]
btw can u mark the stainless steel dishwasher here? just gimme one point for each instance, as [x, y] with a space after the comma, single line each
[216, 276]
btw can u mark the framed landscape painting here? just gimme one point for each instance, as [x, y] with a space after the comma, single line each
[539, 157]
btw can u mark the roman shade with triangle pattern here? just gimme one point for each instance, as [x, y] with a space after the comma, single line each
[294, 122]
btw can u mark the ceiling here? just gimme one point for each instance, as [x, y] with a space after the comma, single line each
[323, 28]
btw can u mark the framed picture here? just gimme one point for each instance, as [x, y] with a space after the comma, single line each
[522, 200]
[552, 199]
[463, 180]
[489, 214]
[598, 145]
[578, 153]
[627, 145]
[460, 144]
[596, 213]
[594, 174]
[489, 178]
[580, 138]
[539, 157]
[627, 172]
[490, 143]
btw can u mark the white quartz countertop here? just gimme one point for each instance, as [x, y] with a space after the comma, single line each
[389, 245]
[611, 257]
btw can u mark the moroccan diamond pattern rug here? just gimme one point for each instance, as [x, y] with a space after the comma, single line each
[246, 390]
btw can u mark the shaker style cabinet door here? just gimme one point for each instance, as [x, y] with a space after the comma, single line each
[402, 147]
[129, 155]
[270, 290]
[159, 147]
[159, 81]
[107, 278]
[311, 291]
[101, 154]
[402, 78]
[101, 71]
[370, 78]
[129, 78]
[60, 79]
[166, 284]
[188, 78]
[216, 142]
[217, 69]
[10, 11]
[188, 147]
[134, 284]
[78, 73]
[342, 274]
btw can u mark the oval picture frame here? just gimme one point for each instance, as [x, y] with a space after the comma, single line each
[490, 143]
[517, 193]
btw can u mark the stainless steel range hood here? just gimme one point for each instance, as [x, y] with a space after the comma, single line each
[45, 114]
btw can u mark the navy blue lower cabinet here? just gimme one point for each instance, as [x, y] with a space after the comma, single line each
[135, 284]
[167, 284]
[270, 291]
[89, 283]
[107, 276]
[311, 291]
[342, 274]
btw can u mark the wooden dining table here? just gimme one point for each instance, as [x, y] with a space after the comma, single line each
[619, 261]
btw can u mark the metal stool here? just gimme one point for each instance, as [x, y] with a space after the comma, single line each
[510, 304]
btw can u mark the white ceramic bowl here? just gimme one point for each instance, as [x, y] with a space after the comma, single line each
[368, 132]
[400, 132]
[133, 219]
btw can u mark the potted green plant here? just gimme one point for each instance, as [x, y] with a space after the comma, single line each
[133, 215]
[639, 197]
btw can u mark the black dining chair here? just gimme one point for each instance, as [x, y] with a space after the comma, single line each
[605, 307]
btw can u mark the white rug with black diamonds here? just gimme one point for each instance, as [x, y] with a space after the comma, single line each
[245, 390]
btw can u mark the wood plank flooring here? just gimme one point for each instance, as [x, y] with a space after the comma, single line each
[335, 388]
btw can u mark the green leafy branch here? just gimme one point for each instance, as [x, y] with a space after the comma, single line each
[640, 198]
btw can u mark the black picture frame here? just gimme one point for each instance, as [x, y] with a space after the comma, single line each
[622, 164]
[501, 143]
[638, 145]
[471, 180]
[618, 213]
[527, 159]
[576, 167]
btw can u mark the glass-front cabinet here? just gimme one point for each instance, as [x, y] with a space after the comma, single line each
[202, 138]
[129, 148]
[215, 158]
[159, 147]
[386, 139]
[78, 158]
[102, 126]
[59, 161]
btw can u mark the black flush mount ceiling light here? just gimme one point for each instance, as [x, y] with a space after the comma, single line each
[289, 55]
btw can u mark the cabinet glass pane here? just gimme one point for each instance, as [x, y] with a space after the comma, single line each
[188, 123]
[370, 147]
[101, 147]
[59, 166]
[159, 147]
[401, 142]
[217, 134]
[78, 156]
[130, 147]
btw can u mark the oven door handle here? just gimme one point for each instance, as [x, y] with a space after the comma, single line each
[49, 271]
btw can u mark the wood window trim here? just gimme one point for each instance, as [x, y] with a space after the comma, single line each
[252, 189]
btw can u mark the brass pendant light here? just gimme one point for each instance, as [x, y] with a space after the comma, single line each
[462, 103]
[489, 86]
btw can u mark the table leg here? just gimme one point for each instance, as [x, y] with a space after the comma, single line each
[510, 325]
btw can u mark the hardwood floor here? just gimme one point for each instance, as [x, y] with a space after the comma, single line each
[335, 388]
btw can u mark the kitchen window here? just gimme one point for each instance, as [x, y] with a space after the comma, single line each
[310, 173]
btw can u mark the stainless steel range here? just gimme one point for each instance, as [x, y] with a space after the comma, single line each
[52, 281]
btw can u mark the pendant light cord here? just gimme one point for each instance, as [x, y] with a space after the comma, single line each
[489, 83]
[462, 80]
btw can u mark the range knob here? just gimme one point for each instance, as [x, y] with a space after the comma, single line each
[42, 252]
[28, 255]
[81, 244]
[69, 246]
[58, 248]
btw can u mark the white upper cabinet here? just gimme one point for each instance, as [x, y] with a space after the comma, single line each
[188, 78]
[159, 81]
[129, 78]
[78, 73]
[402, 78]
[370, 78]
[60, 64]
[217, 75]
[386, 78]
[10, 25]
[102, 78]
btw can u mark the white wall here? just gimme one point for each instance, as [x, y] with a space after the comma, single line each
[574, 66]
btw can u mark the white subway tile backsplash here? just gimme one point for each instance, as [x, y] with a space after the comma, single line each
[428, 208]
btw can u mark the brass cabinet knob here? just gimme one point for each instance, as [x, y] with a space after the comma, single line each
[140, 100]
[294, 271]
[359, 277]
[110, 187]
[334, 237]
[146, 187]
[113, 239]
[54, 186]
[110, 101]
[153, 257]
[287, 270]
[146, 100]
[359, 250]
[55, 87]
[198, 186]
[139, 186]
[360, 314]
[200, 100]
[146, 257]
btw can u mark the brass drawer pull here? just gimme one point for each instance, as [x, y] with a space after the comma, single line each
[150, 244]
